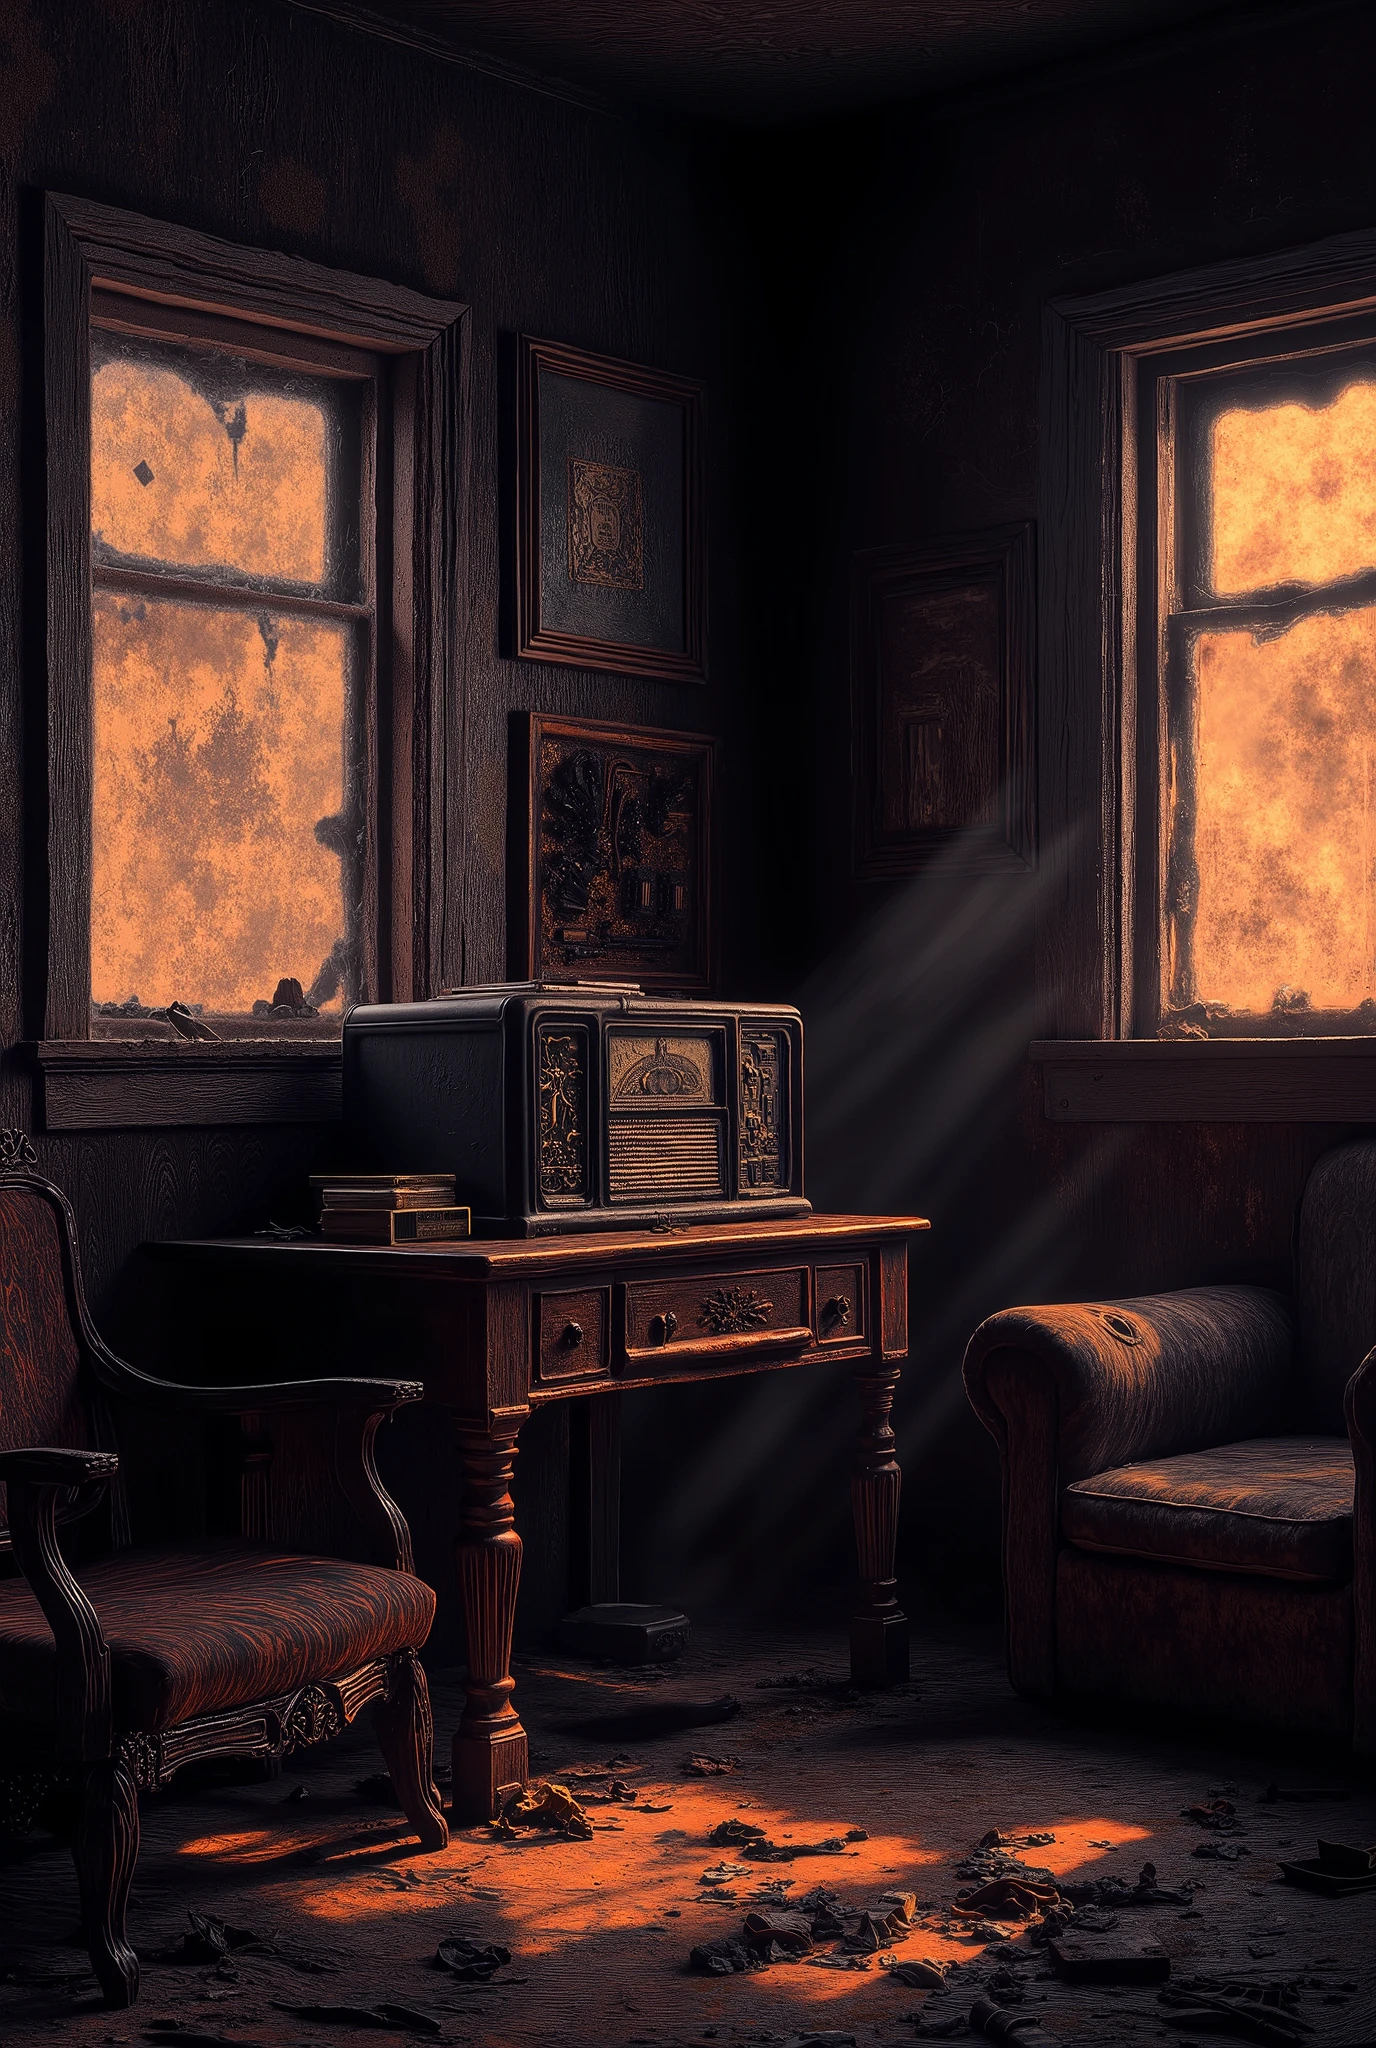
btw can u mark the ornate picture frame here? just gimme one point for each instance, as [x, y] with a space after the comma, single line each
[942, 662]
[610, 515]
[611, 854]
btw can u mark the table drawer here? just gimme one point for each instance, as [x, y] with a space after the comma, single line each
[838, 1294]
[571, 1333]
[674, 1322]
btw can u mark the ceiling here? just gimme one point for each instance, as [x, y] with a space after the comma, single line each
[758, 62]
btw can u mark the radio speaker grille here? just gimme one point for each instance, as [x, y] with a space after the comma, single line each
[665, 1156]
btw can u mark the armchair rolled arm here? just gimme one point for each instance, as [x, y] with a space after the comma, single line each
[1071, 1390]
[1145, 1378]
[34, 1478]
[1359, 1407]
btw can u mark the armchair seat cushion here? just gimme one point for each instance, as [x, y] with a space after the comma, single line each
[1277, 1506]
[199, 1631]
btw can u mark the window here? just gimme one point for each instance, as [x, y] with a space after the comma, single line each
[1206, 676]
[1266, 548]
[234, 571]
[254, 560]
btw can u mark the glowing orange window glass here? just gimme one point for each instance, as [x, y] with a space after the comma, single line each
[1270, 920]
[230, 637]
[1285, 840]
[194, 479]
[1293, 491]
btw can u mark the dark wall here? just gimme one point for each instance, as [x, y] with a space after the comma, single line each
[907, 259]
[864, 303]
[279, 128]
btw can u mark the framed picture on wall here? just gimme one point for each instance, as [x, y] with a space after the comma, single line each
[941, 697]
[611, 854]
[610, 567]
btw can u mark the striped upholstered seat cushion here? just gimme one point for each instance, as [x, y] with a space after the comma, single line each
[197, 1631]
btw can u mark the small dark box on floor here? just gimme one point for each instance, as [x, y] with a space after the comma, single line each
[627, 1633]
[1089, 1959]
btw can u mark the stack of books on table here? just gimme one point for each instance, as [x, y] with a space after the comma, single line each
[390, 1208]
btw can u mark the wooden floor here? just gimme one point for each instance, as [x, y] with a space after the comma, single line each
[601, 1930]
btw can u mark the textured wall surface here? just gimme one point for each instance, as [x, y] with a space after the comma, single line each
[279, 128]
[864, 303]
[909, 258]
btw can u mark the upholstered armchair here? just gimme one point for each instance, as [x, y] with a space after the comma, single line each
[1189, 1483]
[119, 1665]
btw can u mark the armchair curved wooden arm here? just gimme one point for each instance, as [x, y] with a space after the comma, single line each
[353, 1411]
[35, 1477]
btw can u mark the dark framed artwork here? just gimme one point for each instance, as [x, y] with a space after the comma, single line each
[941, 694]
[610, 567]
[613, 825]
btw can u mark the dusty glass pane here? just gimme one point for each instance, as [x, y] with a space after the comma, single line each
[211, 464]
[1284, 837]
[1294, 492]
[223, 862]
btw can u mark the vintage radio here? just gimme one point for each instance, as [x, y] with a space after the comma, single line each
[590, 1107]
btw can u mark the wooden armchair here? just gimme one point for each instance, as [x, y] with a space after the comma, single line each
[117, 1672]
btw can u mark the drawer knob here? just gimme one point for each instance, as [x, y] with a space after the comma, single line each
[836, 1314]
[663, 1327]
[571, 1336]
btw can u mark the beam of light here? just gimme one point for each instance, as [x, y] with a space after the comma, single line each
[918, 1023]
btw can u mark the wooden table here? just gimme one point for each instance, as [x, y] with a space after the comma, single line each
[496, 1327]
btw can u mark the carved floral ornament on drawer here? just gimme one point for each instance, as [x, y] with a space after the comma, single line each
[729, 1310]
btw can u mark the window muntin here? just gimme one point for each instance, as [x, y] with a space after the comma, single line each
[1268, 487]
[233, 663]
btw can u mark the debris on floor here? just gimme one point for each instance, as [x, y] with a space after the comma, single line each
[1087, 1959]
[470, 1960]
[1015, 2030]
[1265, 2011]
[544, 1805]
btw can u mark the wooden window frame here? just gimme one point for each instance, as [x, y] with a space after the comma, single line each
[424, 342]
[1101, 713]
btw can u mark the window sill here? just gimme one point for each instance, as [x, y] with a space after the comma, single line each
[1216, 1080]
[131, 1084]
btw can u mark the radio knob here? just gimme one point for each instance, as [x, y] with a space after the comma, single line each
[571, 1336]
[663, 1327]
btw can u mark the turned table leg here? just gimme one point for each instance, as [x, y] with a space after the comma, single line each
[490, 1746]
[879, 1630]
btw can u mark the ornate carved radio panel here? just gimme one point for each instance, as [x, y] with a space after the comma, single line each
[581, 1108]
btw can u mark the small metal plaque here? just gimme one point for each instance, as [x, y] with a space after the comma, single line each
[606, 526]
[660, 1073]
